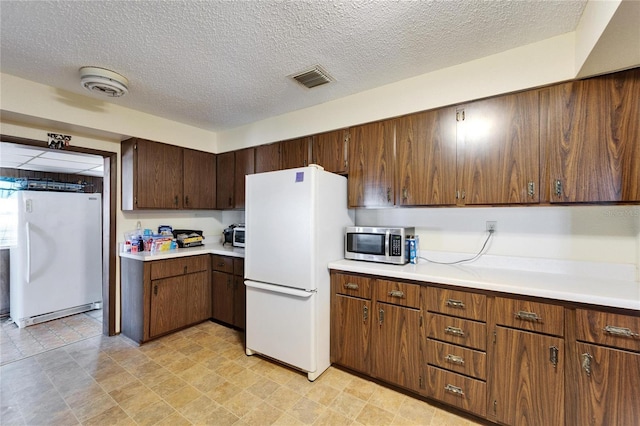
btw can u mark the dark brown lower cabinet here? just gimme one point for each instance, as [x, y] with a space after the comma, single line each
[608, 386]
[396, 352]
[350, 332]
[162, 296]
[228, 292]
[528, 384]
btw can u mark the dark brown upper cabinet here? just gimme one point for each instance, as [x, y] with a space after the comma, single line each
[498, 150]
[244, 165]
[268, 158]
[330, 150]
[199, 185]
[426, 158]
[151, 175]
[295, 153]
[371, 164]
[591, 139]
[225, 172]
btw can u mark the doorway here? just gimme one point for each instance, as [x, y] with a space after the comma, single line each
[109, 199]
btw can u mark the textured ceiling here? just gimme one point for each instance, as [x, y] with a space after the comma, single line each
[222, 64]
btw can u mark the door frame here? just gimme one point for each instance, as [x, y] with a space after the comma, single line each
[109, 200]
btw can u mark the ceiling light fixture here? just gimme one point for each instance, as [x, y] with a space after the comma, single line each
[103, 81]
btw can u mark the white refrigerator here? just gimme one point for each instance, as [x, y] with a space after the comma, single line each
[294, 221]
[56, 264]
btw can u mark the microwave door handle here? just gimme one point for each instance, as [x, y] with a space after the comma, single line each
[386, 243]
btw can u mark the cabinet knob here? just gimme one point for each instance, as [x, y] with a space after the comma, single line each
[454, 359]
[351, 286]
[365, 313]
[586, 363]
[396, 293]
[380, 316]
[175, 200]
[186, 200]
[388, 195]
[454, 390]
[553, 355]
[155, 290]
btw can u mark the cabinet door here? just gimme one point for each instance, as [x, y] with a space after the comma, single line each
[244, 165]
[350, 328]
[371, 168]
[295, 153]
[199, 170]
[222, 296]
[268, 158]
[225, 169]
[607, 391]
[158, 175]
[199, 302]
[498, 150]
[396, 345]
[426, 158]
[239, 302]
[168, 308]
[528, 384]
[330, 150]
[591, 136]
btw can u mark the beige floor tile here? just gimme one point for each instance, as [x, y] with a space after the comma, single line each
[128, 390]
[182, 397]
[348, 405]
[263, 414]
[174, 419]
[93, 407]
[416, 411]
[360, 388]
[139, 401]
[387, 399]
[306, 410]
[374, 416]
[242, 403]
[113, 416]
[322, 394]
[287, 420]
[223, 392]
[198, 409]
[221, 417]
[300, 383]
[335, 378]
[263, 388]
[283, 398]
[153, 413]
[332, 418]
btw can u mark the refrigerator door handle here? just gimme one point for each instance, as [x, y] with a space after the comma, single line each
[280, 289]
[28, 247]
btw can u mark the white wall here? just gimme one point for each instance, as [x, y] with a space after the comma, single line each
[604, 234]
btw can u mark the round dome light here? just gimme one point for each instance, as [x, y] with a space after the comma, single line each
[103, 81]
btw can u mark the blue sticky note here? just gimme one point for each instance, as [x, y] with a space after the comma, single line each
[299, 176]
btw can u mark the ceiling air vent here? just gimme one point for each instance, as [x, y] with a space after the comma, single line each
[313, 77]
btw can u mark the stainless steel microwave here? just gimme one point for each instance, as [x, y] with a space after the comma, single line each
[238, 236]
[377, 244]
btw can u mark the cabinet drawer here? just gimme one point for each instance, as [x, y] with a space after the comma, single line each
[620, 331]
[455, 389]
[532, 316]
[352, 285]
[456, 358]
[396, 293]
[222, 263]
[457, 303]
[238, 267]
[463, 332]
[180, 266]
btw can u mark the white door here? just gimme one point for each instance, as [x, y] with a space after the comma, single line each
[279, 213]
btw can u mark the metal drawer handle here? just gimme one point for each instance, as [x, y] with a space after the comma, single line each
[454, 330]
[586, 363]
[455, 303]
[351, 286]
[454, 389]
[528, 316]
[396, 293]
[620, 331]
[454, 359]
[365, 313]
[553, 355]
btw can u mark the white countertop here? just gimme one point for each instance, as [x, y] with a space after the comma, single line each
[572, 288]
[207, 248]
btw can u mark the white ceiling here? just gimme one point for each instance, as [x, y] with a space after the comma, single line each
[221, 64]
[26, 157]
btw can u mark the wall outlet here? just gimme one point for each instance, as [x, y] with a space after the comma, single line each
[492, 226]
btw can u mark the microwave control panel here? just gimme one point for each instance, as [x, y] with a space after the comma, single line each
[396, 245]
